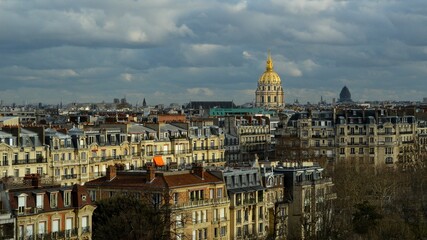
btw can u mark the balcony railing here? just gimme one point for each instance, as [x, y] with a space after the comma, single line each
[29, 161]
[69, 176]
[85, 229]
[215, 160]
[184, 151]
[203, 202]
[106, 158]
[249, 201]
[152, 153]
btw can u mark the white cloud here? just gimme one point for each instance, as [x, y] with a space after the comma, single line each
[127, 77]
[247, 55]
[200, 91]
[308, 7]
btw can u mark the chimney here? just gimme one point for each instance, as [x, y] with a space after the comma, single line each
[151, 172]
[33, 180]
[199, 171]
[111, 172]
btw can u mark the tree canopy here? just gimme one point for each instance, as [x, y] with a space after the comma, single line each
[126, 217]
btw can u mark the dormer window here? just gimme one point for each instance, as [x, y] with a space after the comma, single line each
[53, 200]
[22, 203]
[67, 198]
[39, 200]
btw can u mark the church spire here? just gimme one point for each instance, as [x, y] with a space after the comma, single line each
[269, 65]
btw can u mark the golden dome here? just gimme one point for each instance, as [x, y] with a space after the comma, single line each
[269, 76]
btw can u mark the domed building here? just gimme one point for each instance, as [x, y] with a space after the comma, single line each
[345, 96]
[269, 93]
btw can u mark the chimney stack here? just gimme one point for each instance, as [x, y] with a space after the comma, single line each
[199, 171]
[111, 173]
[33, 180]
[151, 172]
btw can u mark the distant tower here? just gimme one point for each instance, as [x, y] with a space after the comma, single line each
[269, 93]
[345, 96]
[144, 103]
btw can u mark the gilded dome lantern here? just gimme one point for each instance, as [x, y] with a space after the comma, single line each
[269, 93]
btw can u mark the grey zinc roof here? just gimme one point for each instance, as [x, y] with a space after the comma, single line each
[138, 128]
[5, 134]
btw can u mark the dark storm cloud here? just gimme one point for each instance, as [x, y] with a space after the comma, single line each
[177, 51]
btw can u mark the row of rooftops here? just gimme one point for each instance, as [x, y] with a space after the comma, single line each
[38, 136]
[33, 186]
[236, 179]
[354, 116]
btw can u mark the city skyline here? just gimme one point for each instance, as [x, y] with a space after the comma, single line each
[168, 51]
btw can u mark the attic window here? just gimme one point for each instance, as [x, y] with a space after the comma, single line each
[39, 200]
[53, 200]
[22, 203]
[67, 198]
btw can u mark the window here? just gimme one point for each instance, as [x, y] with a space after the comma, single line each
[360, 150]
[68, 226]
[40, 171]
[53, 200]
[85, 227]
[42, 227]
[84, 169]
[223, 231]
[92, 194]
[55, 225]
[388, 150]
[27, 171]
[219, 193]
[196, 195]
[39, 201]
[157, 199]
[239, 216]
[371, 151]
[389, 160]
[30, 231]
[260, 213]
[22, 203]
[175, 198]
[16, 172]
[245, 229]
[67, 198]
[342, 151]
[4, 161]
[21, 231]
[352, 151]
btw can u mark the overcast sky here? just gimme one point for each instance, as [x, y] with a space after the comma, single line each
[170, 51]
